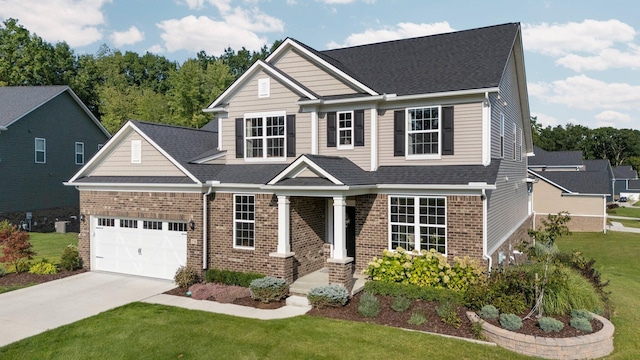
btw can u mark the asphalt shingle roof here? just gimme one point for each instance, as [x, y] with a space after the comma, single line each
[624, 172]
[462, 60]
[555, 158]
[438, 175]
[16, 101]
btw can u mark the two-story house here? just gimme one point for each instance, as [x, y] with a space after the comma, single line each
[46, 135]
[320, 160]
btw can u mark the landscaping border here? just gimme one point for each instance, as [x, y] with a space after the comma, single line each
[590, 346]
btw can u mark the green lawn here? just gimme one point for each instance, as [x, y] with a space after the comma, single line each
[629, 223]
[625, 211]
[616, 255]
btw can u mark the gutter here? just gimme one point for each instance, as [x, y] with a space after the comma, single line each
[204, 223]
[3, 128]
[485, 254]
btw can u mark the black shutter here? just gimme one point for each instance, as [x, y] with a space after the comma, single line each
[291, 135]
[239, 138]
[358, 128]
[331, 129]
[398, 133]
[447, 130]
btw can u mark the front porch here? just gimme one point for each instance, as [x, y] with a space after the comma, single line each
[303, 284]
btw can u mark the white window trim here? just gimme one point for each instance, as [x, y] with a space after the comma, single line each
[515, 142]
[43, 151]
[79, 153]
[100, 146]
[338, 129]
[264, 136]
[264, 88]
[501, 135]
[136, 151]
[235, 221]
[416, 223]
[521, 145]
[408, 131]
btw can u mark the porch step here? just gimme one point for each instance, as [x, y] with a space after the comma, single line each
[295, 300]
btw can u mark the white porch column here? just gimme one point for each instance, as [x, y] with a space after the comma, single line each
[339, 233]
[284, 245]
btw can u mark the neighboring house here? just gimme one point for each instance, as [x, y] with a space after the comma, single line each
[46, 135]
[565, 182]
[323, 159]
[625, 180]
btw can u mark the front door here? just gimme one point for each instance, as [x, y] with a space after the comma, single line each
[350, 225]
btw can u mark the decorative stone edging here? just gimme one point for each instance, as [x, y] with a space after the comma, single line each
[590, 346]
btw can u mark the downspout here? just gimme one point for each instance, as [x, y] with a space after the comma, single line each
[204, 226]
[485, 254]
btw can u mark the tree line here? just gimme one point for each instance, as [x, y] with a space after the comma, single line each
[619, 146]
[119, 86]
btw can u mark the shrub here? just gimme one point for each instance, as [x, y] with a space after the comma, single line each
[424, 268]
[2, 272]
[581, 324]
[476, 329]
[548, 324]
[44, 267]
[70, 259]
[510, 322]
[584, 314]
[489, 312]
[16, 247]
[185, 276]
[569, 290]
[268, 289]
[417, 319]
[400, 304]
[229, 277]
[369, 305]
[328, 296]
[413, 292]
[448, 314]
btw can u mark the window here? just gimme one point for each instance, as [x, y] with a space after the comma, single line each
[106, 222]
[178, 226]
[152, 225]
[265, 136]
[418, 222]
[423, 134]
[264, 89]
[124, 223]
[502, 135]
[244, 221]
[515, 144]
[41, 151]
[521, 145]
[79, 153]
[345, 130]
[136, 151]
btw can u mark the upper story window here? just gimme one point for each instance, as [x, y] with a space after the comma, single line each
[79, 153]
[345, 130]
[265, 136]
[264, 88]
[40, 151]
[502, 135]
[423, 132]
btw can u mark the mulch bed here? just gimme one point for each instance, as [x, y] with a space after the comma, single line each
[530, 327]
[245, 301]
[25, 278]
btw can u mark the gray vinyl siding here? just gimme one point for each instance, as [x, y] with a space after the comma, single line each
[25, 185]
[467, 137]
[311, 76]
[359, 155]
[281, 99]
[508, 204]
[118, 162]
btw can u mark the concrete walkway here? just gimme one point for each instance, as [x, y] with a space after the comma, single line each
[35, 309]
[616, 226]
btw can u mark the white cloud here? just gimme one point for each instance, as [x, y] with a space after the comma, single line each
[605, 59]
[156, 49]
[589, 36]
[545, 120]
[129, 37]
[75, 22]
[582, 92]
[400, 31]
[612, 118]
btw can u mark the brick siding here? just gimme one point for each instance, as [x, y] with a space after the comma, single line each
[507, 247]
[308, 231]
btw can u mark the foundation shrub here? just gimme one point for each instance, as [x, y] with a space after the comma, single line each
[70, 259]
[423, 268]
[584, 314]
[229, 277]
[581, 324]
[413, 292]
[369, 305]
[43, 267]
[510, 322]
[548, 324]
[3, 272]
[185, 276]
[448, 314]
[417, 319]
[269, 289]
[401, 304]
[489, 312]
[328, 296]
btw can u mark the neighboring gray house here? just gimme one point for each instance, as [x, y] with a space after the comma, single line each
[46, 135]
[625, 180]
[323, 159]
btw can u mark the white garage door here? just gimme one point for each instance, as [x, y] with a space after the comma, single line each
[151, 248]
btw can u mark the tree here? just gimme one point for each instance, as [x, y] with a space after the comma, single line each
[16, 248]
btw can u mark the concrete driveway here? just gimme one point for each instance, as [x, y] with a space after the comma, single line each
[30, 311]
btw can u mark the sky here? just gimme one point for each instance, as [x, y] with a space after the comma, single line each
[582, 57]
